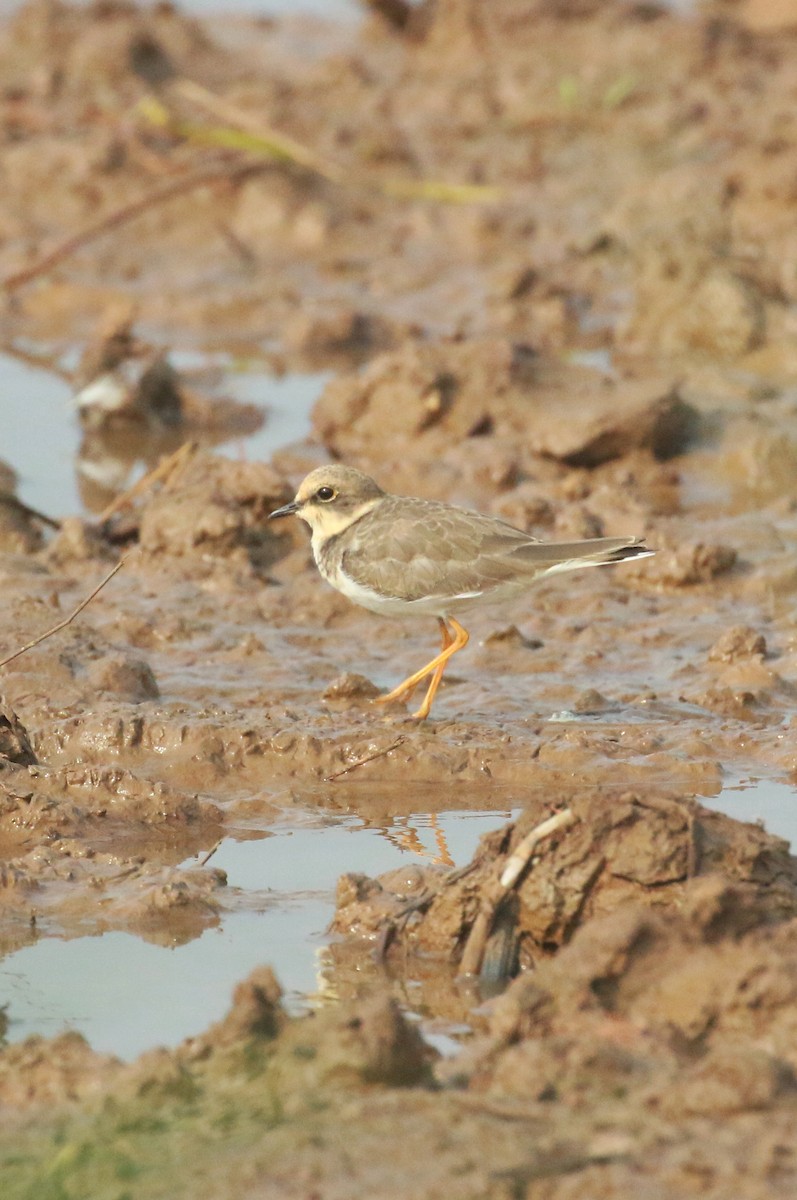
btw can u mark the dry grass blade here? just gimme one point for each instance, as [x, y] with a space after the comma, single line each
[244, 132]
[261, 137]
[230, 138]
[205, 859]
[165, 472]
[209, 173]
[360, 762]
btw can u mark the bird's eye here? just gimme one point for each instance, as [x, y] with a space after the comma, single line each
[326, 494]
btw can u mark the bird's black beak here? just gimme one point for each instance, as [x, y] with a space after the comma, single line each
[287, 510]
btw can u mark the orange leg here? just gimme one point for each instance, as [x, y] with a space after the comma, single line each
[409, 840]
[407, 692]
[438, 674]
[443, 852]
[404, 690]
[435, 668]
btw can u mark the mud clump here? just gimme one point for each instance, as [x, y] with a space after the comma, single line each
[424, 398]
[219, 509]
[597, 1070]
[20, 531]
[738, 642]
[266, 1072]
[688, 564]
[122, 43]
[21, 527]
[124, 676]
[77, 847]
[686, 981]
[619, 849]
[256, 1012]
[47, 1073]
[350, 687]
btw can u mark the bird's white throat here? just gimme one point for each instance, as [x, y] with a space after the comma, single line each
[326, 521]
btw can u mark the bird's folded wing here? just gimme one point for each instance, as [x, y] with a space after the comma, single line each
[422, 549]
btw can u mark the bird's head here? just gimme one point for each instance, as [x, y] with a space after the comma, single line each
[330, 498]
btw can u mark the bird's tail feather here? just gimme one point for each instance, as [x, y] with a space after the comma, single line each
[574, 556]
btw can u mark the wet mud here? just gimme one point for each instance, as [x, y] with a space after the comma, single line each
[546, 252]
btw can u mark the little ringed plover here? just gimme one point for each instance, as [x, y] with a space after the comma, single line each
[401, 556]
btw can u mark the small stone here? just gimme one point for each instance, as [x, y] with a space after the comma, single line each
[590, 701]
[350, 686]
[124, 676]
[510, 636]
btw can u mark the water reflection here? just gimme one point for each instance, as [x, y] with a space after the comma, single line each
[285, 885]
[64, 466]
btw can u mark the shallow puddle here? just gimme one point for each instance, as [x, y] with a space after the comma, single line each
[768, 801]
[127, 995]
[42, 438]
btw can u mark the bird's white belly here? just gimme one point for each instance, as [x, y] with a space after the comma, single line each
[389, 606]
[393, 606]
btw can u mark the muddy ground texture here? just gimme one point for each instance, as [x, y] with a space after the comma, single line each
[548, 251]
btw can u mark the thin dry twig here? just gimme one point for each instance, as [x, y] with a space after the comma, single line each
[360, 762]
[218, 170]
[164, 472]
[472, 955]
[205, 859]
[48, 633]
